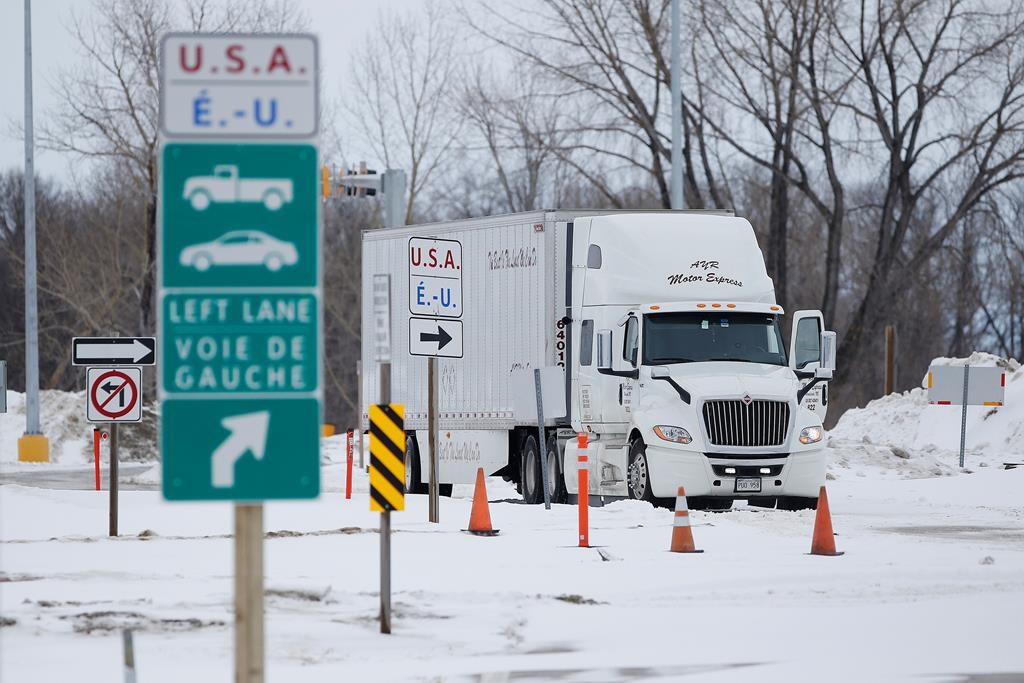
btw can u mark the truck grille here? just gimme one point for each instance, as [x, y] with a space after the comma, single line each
[759, 423]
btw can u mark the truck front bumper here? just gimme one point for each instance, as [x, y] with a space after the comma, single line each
[803, 473]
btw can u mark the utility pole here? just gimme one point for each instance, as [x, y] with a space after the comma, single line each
[677, 114]
[33, 446]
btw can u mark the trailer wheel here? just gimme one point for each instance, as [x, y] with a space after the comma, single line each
[532, 484]
[555, 475]
[638, 477]
[412, 465]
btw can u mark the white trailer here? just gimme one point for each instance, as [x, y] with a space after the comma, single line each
[666, 333]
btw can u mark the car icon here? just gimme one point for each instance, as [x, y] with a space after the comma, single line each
[240, 248]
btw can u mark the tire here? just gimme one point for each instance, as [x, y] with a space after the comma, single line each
[555, 475]
[638, 474]
[273, 200]
[710, 503]
[273, 262]
[202, 262]
[532, 483]
[199, 200]
[797, 503]
[412, 466]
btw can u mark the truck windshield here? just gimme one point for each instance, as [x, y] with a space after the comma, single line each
[697, 337]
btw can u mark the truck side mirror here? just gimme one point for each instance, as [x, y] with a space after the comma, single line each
[828, 350]
[604, 349]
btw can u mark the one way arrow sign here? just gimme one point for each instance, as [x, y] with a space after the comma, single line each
[113, 351]
[434, 337]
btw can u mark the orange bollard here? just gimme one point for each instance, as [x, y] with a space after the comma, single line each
[480, 516]
[583, 490]
[823, 542]
[682, 536]
[349, 437]
[96, 455]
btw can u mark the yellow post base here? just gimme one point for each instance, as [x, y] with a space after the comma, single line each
[33, 448]
[327, 430]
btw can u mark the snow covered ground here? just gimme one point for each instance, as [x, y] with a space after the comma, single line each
[930, 589]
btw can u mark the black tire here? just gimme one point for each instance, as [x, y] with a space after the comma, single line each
[413, 473]
[555, 475]
[638, 474]
[797, 503]
[709, 503]
[532, 484]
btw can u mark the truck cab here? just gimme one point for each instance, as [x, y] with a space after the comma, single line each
[680, 374]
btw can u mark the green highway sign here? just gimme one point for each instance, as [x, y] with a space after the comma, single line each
[241, 215]
[240, 343]
[245, 450]
[240, 320]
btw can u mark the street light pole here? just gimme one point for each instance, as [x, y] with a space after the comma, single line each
[677, 114]
[33, 446]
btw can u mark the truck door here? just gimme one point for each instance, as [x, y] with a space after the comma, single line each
[805, 356]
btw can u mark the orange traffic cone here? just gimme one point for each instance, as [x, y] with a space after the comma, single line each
[824, 542]
[480, 517]
[682, 537]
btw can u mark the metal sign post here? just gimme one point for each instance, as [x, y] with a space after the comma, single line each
[434, 487]
[113, 479]
[3, 386]
[542, 445]
[979, 386]
[387, 487]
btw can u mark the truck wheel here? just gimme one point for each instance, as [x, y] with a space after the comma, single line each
[638, 477]
[558, 492]
[273, 200]
[199, 200]
[412, 466]
[532, 484]
[797, 503]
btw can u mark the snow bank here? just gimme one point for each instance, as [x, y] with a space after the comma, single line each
[901, 435]
[62, 415]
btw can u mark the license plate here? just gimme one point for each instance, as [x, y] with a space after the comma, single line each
[748, 485]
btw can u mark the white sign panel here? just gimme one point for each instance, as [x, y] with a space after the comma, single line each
[552, 392]
[435, 277]
[382, 318]
[985, 386]
[236, 85]
[114, 395]
[435, 337]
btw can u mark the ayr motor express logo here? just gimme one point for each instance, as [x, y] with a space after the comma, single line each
[707, 272]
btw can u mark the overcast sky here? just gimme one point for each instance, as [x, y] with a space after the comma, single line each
[340, 25]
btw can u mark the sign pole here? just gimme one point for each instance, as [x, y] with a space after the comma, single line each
[359, 413]
[249, 658]
[963, 417]
[890, 359]
[542, 446]
[435, 497]
[113, 479]
[385, 524]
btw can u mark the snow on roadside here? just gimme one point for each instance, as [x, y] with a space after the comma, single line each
[902, 436]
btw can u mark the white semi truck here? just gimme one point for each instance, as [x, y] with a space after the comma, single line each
[660, 327]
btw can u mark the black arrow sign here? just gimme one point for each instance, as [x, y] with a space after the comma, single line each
[442, 337]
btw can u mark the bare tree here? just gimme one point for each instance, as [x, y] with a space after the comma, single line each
[401, 95]
[109, 104]
[940, 86]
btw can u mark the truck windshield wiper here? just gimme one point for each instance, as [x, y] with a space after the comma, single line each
[664, 361]
[734, 360]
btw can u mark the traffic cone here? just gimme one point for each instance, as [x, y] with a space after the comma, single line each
[682, 537]
[480, 517]
[823, 542]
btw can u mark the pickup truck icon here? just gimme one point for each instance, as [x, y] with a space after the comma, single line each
[225, 187]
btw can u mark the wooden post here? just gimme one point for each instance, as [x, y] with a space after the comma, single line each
[249, 660]
[113, 479]
[890, 359]
[385, 523]
[433, 430]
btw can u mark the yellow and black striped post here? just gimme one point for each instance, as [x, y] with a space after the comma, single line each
[387, 457]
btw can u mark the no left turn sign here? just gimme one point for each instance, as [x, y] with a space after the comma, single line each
[114, 395]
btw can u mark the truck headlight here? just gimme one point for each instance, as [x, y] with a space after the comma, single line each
[673, 434]
[811, 434]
